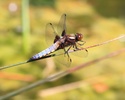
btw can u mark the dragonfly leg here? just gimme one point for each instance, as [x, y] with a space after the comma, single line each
[76, 48]
[66, 52]
[82, 43]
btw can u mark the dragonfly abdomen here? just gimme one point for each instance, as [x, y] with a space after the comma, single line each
[45, 52]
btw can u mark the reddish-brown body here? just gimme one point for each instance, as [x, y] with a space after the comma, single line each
[69, 40]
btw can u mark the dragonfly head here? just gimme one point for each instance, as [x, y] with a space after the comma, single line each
[79, 36]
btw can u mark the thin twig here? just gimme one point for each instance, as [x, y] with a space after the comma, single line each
[5, 67]
[21, 63]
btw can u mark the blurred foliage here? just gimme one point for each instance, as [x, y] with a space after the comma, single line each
[85, 16]
[42, 3]
[109, 8]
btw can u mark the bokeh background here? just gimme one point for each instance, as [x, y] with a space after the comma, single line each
[22, 34]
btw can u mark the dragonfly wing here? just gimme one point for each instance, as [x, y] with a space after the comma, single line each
[61, 28]
[50, 34]
[62, 58]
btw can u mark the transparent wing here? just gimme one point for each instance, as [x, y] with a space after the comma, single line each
[66, 60]
[62, 58]
[61, 28]
[50, 34]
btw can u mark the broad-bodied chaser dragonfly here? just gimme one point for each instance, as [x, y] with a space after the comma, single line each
[60, 42]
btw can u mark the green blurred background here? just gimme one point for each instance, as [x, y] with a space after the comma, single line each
[22, 34]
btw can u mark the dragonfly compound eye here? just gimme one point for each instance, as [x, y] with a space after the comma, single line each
[79, 36]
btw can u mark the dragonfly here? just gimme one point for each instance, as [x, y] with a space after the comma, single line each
[62, 40]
